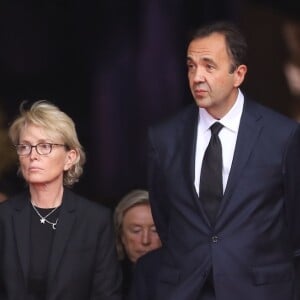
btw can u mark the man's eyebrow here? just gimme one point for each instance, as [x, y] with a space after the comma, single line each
[205, 59]
[209, 60]
[189, 59]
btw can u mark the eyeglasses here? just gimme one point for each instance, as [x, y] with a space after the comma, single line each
[41, 148]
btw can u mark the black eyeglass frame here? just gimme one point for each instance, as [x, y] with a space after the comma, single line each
[37, 148]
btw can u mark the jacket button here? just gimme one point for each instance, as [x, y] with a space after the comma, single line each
[215, 239]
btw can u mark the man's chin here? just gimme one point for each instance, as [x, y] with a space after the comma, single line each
[202, 102]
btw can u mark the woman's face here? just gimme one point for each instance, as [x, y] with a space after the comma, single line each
[43, 169]
[138, 232]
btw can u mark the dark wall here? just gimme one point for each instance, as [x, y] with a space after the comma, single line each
[114, 66]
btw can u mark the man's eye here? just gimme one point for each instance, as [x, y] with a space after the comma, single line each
[210, 67]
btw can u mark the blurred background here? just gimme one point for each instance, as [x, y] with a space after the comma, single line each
[117, 66]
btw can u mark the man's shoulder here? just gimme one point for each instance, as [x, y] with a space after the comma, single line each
[269, 114]
[150, 262]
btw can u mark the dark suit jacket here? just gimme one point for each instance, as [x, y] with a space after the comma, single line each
[145, 277]
[127, 272]
[254, 247]
[83, 264]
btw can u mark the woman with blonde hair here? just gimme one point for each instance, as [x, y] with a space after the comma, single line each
[54, 244]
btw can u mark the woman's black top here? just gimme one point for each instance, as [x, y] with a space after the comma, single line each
[41, 237]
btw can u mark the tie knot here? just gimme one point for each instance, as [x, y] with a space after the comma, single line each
[215, 128]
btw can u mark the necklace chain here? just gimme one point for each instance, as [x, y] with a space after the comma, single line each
[44, 220]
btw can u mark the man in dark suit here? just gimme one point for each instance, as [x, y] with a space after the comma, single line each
[242, 242]
[145, 276]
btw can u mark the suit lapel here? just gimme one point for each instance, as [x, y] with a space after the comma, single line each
[249, 131]
[21, 223]
[189, 147]
[189, 151]
[62, 233]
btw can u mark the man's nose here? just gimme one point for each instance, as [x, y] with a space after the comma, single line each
[199, 75]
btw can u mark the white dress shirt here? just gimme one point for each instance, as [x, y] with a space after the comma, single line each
[228, 136]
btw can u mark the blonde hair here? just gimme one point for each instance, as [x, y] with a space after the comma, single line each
[132, 199]
[56, 123]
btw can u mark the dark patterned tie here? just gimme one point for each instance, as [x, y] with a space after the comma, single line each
[211, 185]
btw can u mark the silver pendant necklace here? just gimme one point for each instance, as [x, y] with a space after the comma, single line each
[44, 220]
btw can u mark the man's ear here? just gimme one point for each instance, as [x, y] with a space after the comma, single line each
[239, 75]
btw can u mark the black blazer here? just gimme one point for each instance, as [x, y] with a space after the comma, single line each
[83, 264]
[146, 276]
[254, 247]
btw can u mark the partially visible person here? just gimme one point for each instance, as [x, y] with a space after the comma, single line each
[291, 67]
[54, 244]
[277, 31]
[8, 159]
[135, 232]
[3, 197]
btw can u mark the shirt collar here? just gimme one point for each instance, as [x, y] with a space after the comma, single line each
[231, 120]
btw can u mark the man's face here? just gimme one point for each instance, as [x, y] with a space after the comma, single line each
[213, 79]
[138, 233]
